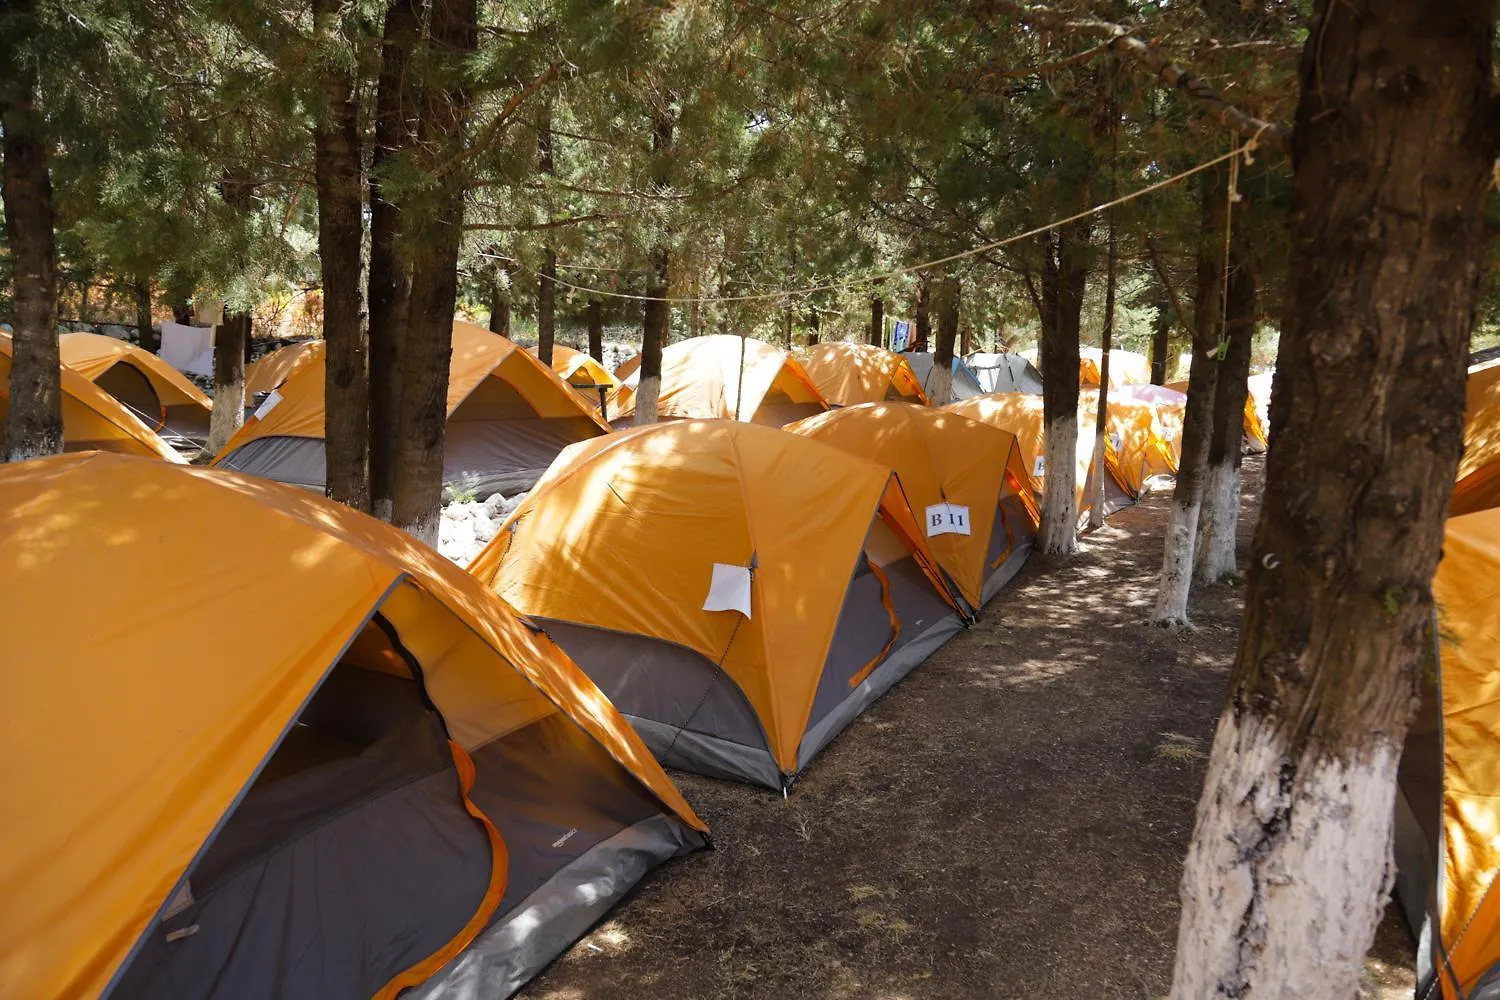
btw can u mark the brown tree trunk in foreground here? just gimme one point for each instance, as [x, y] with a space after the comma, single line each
[230, 338]
[657, 319]
[1198, 422]
[595, 319]
[346, 386]
[33, 421]
[1218, 514]
[499, 308]
[940, 384]
[1101, 416]
[1290, 862]
[877, 322]
[1064, 278]
[389, 279]
[145, 330]
[418, 495]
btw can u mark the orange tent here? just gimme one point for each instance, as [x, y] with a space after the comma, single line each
[1448, 812]
[378, 770]
[160, 395]
[1020, 414]
[93, 420]
[1140, 439]
[736, 378]
[580, 371]
[1479, 469]
[271, 371]
[740, 593]
[847, 374]
[1125, 368]
[966, 480]
[1170, 406]
[1257, 399]
[508, 417]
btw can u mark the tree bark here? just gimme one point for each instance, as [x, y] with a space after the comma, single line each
[595, 318]
[145, 329]
[390, 277]
[417, 498]
[228, 414]
[940, 385]
[877, 321]
[546, 285]
[1197, 425]
[786, 304]
[657, 318]
[499, 308]
[1290, 862]
[814, 327]
[1161, 343]
[1063, 282]
[33, 420]
[337, 151]
[1218, 516]
[922, 334]
[1106, 344]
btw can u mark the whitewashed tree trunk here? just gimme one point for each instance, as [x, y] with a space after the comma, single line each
[424, 527]
[1096, 490]
[1059, 529]
[646, 396]
[1177, 563]
[1289, 869]
[940, 386]
[1218, 522]
[228, 414]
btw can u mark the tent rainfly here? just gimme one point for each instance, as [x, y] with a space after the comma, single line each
[583, 373]
[1020, 414]
[733, 378]
[849, 374]
[789, 587]
[146, 385]
[1125, 368]
[1448, 810]
[271, 371]
[342, 769]
[1005, 373]
[1255, 420]
[1141, 440]
[965, 382]
[1479, 470]
[93, 420]
[508, 417]
[965, 479]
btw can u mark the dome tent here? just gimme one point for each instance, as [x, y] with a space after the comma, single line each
[161, 396]
[790, 586]
[271, 371]
[508, 417]
[848, 374]
[1005, 373]
[385, 779]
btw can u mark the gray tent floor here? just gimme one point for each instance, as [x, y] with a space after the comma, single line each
[1009, 820]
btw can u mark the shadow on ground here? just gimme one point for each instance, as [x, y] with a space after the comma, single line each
[1009, 821]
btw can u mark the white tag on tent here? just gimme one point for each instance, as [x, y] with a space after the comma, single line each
[1116, 441]
[947, 519]
[729, 590]
[267, 405]
[1039, 467]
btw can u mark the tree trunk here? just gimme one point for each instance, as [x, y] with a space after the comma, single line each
[1106, 344]
[1218, 515]
[337, 151]
[389, 278]
[1161, 343]
[877, 321]
[1290, 863]
[1063, 281]
[786, 305]
[1197, 424]
[814, 327]
[499, 308]
[145, 330]
[417, 498]
[655, 323]
[33, 421]
[546, 285]
[595, 318]
[228, 414]
[940, 385]
[922, 335]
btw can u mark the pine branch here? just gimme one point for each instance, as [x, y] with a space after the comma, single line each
[492, 131]
[1119, 40]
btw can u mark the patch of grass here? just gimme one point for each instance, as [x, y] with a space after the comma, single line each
[1180, 748]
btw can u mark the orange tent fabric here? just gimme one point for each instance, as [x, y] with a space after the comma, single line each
[1139, 438]
[940, 457]
[1479, 468]
[1125, 367]
[849, 374]
[581, 372]
[92, 418]
[680, 497]
[734, 378]
[141, 731]
[271, 371]
[1020, 414]
[1258, 398]
[92, 355]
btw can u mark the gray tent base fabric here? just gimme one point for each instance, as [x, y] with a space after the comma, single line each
[688, 750]
[900, 663]
[1007, 571]
[511, 952]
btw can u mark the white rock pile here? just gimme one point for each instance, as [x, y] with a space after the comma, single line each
[468, 525]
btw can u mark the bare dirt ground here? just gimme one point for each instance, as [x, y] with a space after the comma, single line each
[1009, 821]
